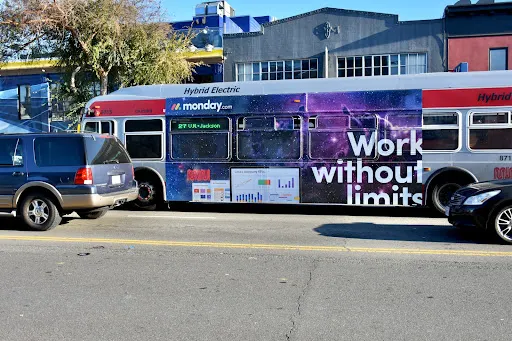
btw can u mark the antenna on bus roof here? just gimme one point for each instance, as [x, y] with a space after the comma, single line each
[462, 3]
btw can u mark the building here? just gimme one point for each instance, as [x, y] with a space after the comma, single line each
[332, 42]
[211, 22]
[26, 84]
[480, 35]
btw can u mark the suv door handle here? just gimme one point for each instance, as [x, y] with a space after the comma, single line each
[18, 174]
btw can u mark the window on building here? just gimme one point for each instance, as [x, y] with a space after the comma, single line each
[144, 138]
[441, 131]
[498, 59]
[269, 138]
[25, 102]
[490, 131]
[277, 70]
[200, 138]
[382, 65]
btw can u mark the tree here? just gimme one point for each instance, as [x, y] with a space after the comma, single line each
[118, 42]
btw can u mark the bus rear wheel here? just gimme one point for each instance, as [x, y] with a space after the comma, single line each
[442, 193]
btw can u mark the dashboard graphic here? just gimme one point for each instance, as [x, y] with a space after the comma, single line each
[265, 185]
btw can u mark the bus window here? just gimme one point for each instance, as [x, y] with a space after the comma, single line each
[107, 127]
[92, 127]
[200, 138]
[100, 127]
[441, 131]
[329, 136]
[269, 138]
[144, 139]
[490, 131]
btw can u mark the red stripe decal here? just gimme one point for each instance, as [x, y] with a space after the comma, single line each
[467, 98]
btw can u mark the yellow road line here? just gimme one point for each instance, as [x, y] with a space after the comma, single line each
[479, 253]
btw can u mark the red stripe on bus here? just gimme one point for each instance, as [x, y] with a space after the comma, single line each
[150, 107]
[467, 98]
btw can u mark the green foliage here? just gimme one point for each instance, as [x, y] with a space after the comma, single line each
[117, 43]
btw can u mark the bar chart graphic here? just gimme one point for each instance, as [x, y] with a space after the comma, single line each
[265, 185]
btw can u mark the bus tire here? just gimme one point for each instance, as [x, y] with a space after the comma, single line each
[442, 192]
[150, 192]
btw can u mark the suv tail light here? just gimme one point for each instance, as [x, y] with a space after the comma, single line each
[83, 176]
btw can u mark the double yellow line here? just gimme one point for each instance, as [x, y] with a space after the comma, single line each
[335, 249]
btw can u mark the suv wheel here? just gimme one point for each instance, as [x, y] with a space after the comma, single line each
[502, 225]
[39, 212]
[96, 214]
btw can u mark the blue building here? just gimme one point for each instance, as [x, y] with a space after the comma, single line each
[211, 22]
[27, 101]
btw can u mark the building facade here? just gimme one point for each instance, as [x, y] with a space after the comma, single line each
[211, 22]
[27, 86]
[480, 35]
[332, 42]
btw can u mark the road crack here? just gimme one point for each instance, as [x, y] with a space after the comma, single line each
[298, 312]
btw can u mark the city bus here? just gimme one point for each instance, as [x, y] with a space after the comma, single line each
[407, 140]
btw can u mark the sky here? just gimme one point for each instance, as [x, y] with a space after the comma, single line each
[181, 10]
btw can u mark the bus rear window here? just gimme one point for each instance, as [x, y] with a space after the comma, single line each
[446, 139]
[490, 139]
[490, 131]
[441, 131]
[104, 151]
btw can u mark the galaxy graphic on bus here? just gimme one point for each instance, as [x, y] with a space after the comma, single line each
[345, 148]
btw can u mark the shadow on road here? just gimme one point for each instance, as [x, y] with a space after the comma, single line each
[410, 233]
[305, 209]
[8, 223]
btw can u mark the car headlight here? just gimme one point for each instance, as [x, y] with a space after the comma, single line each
[480, 198]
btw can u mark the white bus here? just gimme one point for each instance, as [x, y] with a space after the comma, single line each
[396, 140]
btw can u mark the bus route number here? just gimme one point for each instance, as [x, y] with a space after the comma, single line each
[505, 157]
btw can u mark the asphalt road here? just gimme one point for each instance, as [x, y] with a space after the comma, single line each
[279, 273]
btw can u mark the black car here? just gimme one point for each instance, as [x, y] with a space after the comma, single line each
[485, 205]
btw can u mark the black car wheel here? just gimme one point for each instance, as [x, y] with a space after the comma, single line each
[503, 224]
[39, 212]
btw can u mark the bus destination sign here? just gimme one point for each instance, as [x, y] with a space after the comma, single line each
[199, 124]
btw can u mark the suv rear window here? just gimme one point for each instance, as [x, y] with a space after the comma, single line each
[105, 150]
[59, 151]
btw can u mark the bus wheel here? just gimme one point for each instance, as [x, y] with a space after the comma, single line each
[442, 193]
[148, 198]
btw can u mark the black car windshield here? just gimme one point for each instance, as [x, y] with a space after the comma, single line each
[105, 150]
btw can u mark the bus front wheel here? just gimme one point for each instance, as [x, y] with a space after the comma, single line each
[149, 196]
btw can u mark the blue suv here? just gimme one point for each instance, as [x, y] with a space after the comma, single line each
[46, 176]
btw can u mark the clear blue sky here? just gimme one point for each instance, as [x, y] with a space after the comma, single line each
[181, 10]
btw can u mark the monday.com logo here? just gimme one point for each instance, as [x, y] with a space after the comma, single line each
[217, 106]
